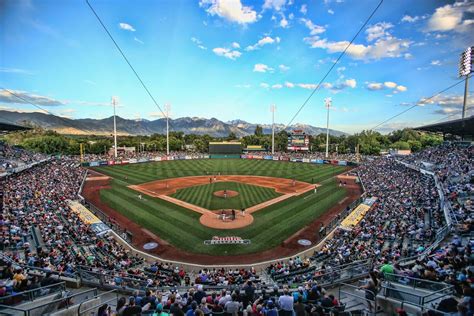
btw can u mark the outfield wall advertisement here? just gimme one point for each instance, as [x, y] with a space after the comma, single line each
[188, 157]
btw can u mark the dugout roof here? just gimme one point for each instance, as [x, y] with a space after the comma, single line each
[460, 127]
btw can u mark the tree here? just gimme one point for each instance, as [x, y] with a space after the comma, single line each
[231, 136]
[258, 131]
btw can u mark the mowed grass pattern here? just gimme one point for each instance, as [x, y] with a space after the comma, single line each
[181, 227]
[202, 195]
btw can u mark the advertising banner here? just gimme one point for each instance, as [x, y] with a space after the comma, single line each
[276, 158]
[157, 159]
[306, 160]
[257, 157]
[142, 160]
[111, 162]
[342, 163]
[103, 163]
[88, 218]
[133, 160]
[268, 157]
[232, 240]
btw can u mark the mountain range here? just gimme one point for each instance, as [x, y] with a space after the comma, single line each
[188, 125]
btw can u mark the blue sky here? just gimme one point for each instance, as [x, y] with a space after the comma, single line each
[232, 59]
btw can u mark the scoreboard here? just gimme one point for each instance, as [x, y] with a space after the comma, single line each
[298, 141]
[225, 148]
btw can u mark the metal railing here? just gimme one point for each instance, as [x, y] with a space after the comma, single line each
[81, 312]
[368, 299]
[31, 295]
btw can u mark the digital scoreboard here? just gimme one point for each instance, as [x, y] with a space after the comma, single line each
[298, 141]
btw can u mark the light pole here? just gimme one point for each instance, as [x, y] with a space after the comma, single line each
[167, 113]
[114, 101]
[328, 102]
[465, 69]
[273, 109]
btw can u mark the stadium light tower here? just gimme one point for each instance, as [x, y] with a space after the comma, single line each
[114, 102]
[167, 113]
[273, 109]
[328, 102]
[465, 69]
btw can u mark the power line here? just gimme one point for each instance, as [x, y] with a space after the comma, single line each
[334, 64]
[39, 107]
[416, 104]
[126, 59]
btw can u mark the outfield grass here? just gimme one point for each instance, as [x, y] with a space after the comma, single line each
[202, 195]
[181, 227]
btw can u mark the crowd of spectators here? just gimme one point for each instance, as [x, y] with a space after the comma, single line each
[12, 157]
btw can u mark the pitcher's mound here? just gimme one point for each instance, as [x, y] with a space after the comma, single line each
[230, 193]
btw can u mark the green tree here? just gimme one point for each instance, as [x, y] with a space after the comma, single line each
[258, 131]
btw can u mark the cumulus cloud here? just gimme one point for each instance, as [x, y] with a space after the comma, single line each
[26, 98]
[452, 17]
[262, 42]
[314, 29]
[389, 47]
[283, 68]
[310, 86]
[231, 10]
[276, 5]
[330, 11]
[264, 85]
[227, 53]
[435, 62]
[235, 45]
[277, 86]
[126, 27]
[304, 9]
[262, 68]
[283, 22]
[410, 19]
[289, 84]
[446, 104]
[378, 30]
[394, 87]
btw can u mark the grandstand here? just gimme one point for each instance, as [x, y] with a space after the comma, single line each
[202, 217]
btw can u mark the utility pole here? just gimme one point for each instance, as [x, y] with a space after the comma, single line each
[273, 109]
[114, 101]
[328, 102]
[167, 113]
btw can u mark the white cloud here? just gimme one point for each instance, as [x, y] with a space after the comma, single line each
[138, 40]
[351, 83]
[126, 27]
[310, 86]
[198, 43]
[15, 71]
[231, 10]
[390, 47]
[378, 30]
[26, 98]
[262, 42]
[289, 84]
[283, 68]
[452, 17]
[304, 9]
[390, 84]
[447, 104]
[262, 68]
[291, 16]
[277, 86]
[330, 11]
[410, 19]
[227, 53]
[402, 88]
[395, 88]
[246, 86]
[276, 5]
[235, 45]
[435, 62]
[313, 28]
[264, 85]
[375, 86]
[283, 22]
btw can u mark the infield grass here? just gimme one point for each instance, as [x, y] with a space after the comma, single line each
[181, 227]
[202, 195]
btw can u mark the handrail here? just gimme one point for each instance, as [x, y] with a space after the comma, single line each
[96, 296]
[28, 292]
[374, 295]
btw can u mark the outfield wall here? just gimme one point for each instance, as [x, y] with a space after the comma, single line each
[193, 157]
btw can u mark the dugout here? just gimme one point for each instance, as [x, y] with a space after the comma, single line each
[225, 150]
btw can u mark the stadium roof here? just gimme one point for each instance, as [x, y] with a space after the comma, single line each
[461, 127]
[6, 127]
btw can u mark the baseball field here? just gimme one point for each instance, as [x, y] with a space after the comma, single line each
[134, 191]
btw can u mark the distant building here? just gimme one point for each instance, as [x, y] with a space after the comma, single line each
[121, 150]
